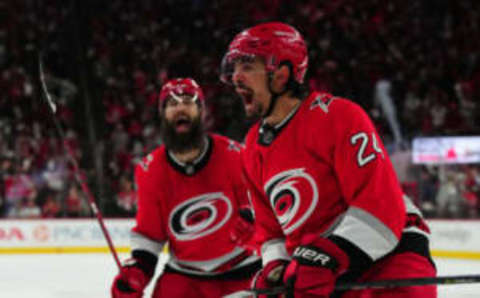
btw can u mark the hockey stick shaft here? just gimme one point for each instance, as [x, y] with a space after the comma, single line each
[409, 282]
[381, 284]
[76, 169]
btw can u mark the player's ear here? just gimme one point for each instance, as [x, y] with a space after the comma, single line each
[280, 78]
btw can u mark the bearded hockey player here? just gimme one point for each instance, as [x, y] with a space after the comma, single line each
[190, 194]
[327, 202]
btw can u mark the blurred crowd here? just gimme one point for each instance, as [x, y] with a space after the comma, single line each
[413, 65]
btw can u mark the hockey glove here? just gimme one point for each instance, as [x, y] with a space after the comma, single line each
[135, 274]
[270, 276]
[315, 268]
[243, 228]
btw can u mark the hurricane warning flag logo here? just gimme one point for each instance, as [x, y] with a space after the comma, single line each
[293, 195]
[200, 216]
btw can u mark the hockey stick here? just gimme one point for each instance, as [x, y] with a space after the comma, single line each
[380, 284]
[76, 169]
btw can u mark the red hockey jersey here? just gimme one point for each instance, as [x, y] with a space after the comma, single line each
[192, 207]
[323, 171]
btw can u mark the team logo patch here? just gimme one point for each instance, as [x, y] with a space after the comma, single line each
[322, 101]
[234, 146]
[293, 195]
[145, 162]
[200, 216]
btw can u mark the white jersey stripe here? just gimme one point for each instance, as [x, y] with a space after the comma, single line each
[367, 233]
[411, 208]
[205, 266]
[250, 260]
[140, 242]
[274, 249]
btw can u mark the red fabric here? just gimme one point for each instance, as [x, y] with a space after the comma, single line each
[316, 281]
[170, 202]
[405, 265]
[174, 285]
[242, 233]
[324, 161]
[135, 278]
[310, 281]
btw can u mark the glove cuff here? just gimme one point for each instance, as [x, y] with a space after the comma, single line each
[324, 253]
[145, 261]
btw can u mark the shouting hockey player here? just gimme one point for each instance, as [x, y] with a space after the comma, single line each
[328, 206]
[190, 194]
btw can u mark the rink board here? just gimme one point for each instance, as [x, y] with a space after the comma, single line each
[63, 236]
[450, 238]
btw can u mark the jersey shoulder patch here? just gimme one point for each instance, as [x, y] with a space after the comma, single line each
[227, 144]
[322, 101]
[148, 161]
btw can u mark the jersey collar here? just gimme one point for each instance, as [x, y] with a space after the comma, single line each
[267, 133]
[192, 167]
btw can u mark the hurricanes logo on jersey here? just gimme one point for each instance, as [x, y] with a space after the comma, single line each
[293, 196]
[200, 216]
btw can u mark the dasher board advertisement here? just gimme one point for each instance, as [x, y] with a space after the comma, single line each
[446, 150]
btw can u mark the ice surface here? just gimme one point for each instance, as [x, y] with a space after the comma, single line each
[90, 275]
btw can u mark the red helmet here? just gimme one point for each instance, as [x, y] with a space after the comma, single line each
[275, 42]
[180, 86]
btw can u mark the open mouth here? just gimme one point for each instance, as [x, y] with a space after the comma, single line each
[246, 95]
[182, 123]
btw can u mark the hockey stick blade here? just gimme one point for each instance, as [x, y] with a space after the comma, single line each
[380, 284]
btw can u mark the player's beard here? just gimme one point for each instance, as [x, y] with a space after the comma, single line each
[184, 141]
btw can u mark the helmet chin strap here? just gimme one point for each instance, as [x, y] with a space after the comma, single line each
[274, 98]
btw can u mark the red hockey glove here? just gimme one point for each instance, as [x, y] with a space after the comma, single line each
[315, 268]
[270, 276]
[131, 281]
[243, 229]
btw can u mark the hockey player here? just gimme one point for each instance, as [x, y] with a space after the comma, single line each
[328, 205]
[190, 193]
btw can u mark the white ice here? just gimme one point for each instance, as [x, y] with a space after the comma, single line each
[90, 275]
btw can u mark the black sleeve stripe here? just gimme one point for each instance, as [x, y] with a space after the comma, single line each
[416, 243]
[146, 261]
[359, 260]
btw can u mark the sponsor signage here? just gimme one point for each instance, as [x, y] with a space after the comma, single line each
[449, 238]
[48, 233]
[446, 150]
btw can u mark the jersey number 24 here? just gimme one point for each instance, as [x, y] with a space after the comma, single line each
[364, 140]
